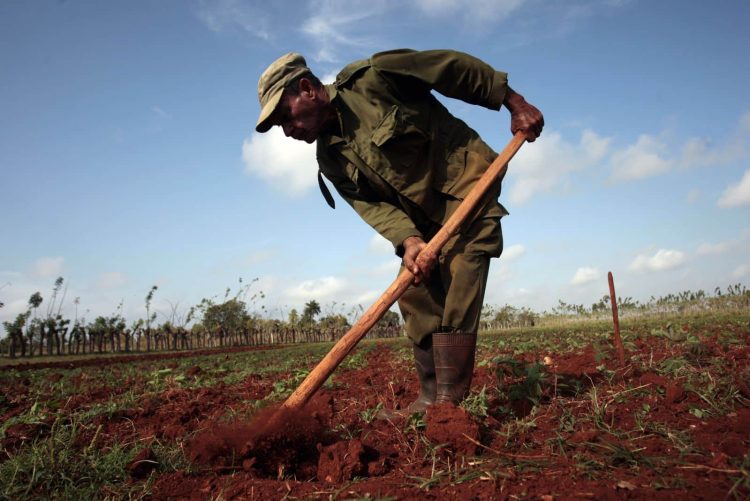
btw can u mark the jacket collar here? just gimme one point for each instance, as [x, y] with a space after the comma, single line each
[327, 140]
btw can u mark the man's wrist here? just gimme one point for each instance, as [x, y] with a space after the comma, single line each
[513, 100]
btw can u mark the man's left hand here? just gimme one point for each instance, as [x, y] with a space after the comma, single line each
[523, 116]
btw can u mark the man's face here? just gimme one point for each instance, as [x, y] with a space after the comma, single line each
[301, 115]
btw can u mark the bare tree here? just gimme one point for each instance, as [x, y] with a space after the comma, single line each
[149, 317]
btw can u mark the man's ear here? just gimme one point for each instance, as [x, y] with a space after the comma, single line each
[306, 87]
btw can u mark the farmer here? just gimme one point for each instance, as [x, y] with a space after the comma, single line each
[404, 163]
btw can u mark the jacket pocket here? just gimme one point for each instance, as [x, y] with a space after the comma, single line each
[400, 140]
[453, 168]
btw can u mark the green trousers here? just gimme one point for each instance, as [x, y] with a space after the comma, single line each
[454, 293]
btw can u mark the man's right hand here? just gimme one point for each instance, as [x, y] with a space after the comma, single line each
[421, 267]
[523, 116]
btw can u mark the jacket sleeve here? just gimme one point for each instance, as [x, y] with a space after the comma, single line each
[451, 73]
[387, 219]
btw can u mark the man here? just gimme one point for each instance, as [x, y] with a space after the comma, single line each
[404, 163]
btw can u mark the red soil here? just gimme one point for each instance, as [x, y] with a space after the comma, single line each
[452, 428]
[329, 448]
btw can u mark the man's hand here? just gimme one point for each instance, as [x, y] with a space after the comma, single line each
[523, 116]
[419, 267]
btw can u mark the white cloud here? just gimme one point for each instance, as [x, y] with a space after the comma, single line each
[471, 11]
[49, 266]
[513, 252]
[741, 271]
[387, 268]
[161, 112]
[737, 194]
[340, 23]
[585, 275]
[664, 259]
[712, 249]
[225, 15]
[319, 289]
[501, 272]
[287, 164]
[651, 156]
[111, 280]
[643, 159]
[13, 309]
[380, 245]
[700, 152]
[367, 298]
[545, 166]
[329, 78]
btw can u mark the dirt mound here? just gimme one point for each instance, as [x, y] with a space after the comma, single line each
[453, 428]
[180, 485]
[725, 435]
[267, 446]
[341, 461]
[580, 365]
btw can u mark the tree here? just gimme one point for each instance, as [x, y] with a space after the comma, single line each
[149, 317]
[312, 309]
[15, 333]
[388, 326]
[293, 317]
[34, 302]
[225, 319]
[336, 325]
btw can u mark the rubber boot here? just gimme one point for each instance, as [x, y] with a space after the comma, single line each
[454, 364]
[425, 365]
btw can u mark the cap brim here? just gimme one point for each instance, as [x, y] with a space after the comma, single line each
[264, 123]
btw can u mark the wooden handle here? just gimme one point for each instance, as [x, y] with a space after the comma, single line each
[348, 341]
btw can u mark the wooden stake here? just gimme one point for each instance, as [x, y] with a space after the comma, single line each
[616, 320]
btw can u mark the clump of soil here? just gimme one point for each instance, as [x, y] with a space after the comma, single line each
[179, 485]
[341, 461]
[269, 445]
[453, 428]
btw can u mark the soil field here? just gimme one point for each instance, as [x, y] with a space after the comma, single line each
[551, 416]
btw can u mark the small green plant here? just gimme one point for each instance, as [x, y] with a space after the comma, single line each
[532, 377]
[284, 387]
[477, 404]
[369, 415]
[415, 423]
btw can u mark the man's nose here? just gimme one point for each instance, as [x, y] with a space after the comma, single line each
[287, 129]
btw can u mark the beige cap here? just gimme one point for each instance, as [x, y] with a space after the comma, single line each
[272, 82]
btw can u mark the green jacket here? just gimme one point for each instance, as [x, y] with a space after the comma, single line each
[403, 162]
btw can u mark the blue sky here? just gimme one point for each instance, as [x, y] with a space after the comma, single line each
[128, 156]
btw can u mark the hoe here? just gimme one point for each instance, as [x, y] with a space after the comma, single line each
[348, 341]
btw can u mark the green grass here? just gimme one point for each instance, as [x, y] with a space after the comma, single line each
[52, 465]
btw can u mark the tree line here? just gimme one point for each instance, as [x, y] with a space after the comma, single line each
[211, 323]
[733, 297]
[235, 321]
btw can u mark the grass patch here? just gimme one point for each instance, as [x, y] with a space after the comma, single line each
[51, 467]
